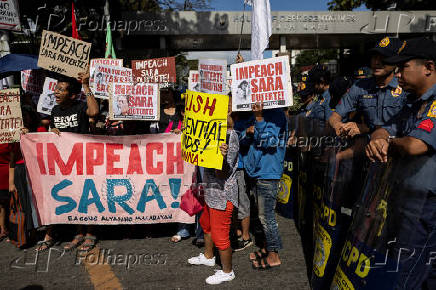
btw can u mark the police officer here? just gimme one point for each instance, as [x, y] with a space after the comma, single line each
[318, 81]
[362, 73]
[379, 98]
[414, 148]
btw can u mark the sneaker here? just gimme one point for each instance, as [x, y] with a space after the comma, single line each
[202, 260]
[220, 277]
[243, 244]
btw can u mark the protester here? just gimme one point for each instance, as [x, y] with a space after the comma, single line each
[410, 139]
[264, 165]
[379, 98]
[221, 198]
[72, 115]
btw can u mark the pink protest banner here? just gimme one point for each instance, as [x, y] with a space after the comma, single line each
[86, 179]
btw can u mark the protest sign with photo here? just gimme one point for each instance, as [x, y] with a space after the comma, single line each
[105, 61]
[160, 71]
[213, 75]
[32, 81]
[11, 120]
[86, 179]
[47, 99]
[62, 54]
[266, 81]
[134, 102]
[193, 82]
[104, 75]
[204, 128]
[9, 15]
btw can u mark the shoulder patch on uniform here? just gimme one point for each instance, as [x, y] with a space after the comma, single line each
[432, 112]
[322, 101]
[396, 92]
[426, 125]
[308, 113]
[384, 42]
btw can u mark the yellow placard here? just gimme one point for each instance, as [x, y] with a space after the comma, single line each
[284, 189]
[204, 128]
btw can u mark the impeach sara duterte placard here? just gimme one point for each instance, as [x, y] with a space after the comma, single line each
[204, 128]
[265, 81]
[86, 179]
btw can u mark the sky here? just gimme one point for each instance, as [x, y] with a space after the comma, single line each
[276, 5]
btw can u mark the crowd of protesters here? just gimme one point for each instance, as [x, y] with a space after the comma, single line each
[390, 108]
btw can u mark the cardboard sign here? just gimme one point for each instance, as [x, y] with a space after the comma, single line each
[213, 75]
[106, 61]
[9, 15]
[11, 120]
[193, 81]
[32, 81]
[204, 128]
[266, 81]
[86, 179]
[160, 71]
[47, 99]
[62, 54]
[104, 75]
[134, 102]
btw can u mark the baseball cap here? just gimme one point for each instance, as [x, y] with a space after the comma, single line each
[420, 47]
[319, 73]
[387, 47]
[363, 71]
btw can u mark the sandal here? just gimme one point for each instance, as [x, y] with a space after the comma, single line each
[176, 238]
[44, 245]
[89, 243]
[264, 266]
[259, 255]
[4, 236]
[72, 245]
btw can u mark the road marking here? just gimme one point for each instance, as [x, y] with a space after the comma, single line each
[101, 274]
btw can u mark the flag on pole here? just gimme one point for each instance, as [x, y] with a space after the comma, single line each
[74, 31]
[110, 51]
[261, 27]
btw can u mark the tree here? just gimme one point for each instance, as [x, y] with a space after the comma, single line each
[348, 5]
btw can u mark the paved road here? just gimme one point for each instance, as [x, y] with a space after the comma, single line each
[152, 263]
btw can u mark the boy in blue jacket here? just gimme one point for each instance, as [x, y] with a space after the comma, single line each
[265, 137]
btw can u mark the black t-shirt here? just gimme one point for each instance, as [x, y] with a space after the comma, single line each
[165, 120]
[71, 119]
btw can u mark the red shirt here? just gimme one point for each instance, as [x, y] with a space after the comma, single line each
[5, 150]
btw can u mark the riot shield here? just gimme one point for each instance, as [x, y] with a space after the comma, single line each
[288, 182]
[391, 238]
[342, 186]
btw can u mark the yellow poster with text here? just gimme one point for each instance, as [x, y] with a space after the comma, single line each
[204, 128]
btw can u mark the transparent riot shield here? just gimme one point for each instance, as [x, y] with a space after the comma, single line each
[304, 197]
[343, 181]
[391, 240]
[288, 182]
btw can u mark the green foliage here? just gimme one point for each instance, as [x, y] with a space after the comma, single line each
[314, 56]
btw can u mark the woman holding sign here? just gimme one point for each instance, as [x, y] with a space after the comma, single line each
[221, 196]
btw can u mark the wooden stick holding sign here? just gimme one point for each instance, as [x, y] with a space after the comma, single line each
[62, 54]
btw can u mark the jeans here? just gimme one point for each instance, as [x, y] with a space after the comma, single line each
[265, 192]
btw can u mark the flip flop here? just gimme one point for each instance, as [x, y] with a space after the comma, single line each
[3, 236]
[88, 244]
[259, 255]
[44, 245]
[264, 266]
[72, 245]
